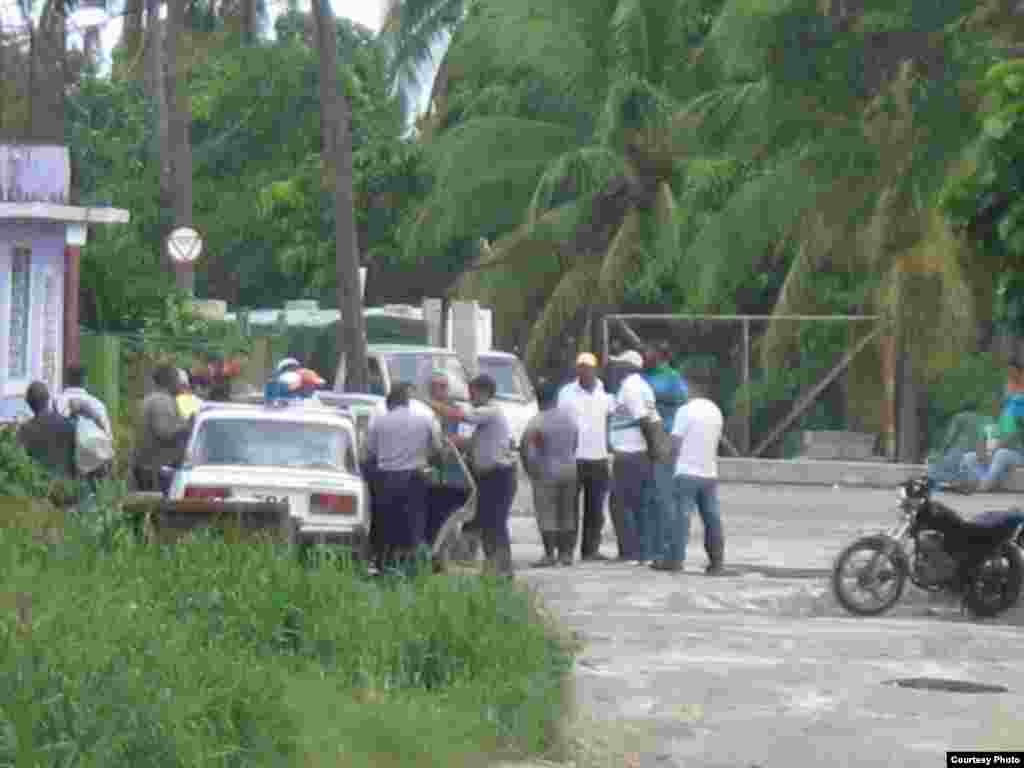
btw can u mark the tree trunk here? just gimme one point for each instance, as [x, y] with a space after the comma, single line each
[179, 143]
[46, 94]
[908, 397]
[131, 43]
[337, 142]
[156, 79]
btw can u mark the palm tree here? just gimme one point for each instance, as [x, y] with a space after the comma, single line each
[414, 30]
[836, 129]
[576, 203]
[337, 143]
[853, 189]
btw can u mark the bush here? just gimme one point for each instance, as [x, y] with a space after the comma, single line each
[19, 475]
[209, 653]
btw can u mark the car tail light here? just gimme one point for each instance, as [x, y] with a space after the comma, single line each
[194, 492]
[328, 504]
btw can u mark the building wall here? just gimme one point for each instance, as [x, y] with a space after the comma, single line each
[46, 306]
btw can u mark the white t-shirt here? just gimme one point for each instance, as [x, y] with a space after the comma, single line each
[699, 425]
[635, 402]
[591, 411]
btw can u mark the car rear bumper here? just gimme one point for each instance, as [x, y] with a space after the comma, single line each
[353, 536]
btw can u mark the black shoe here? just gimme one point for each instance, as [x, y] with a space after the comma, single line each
[667, 565]
[715, 569]
[596, 557]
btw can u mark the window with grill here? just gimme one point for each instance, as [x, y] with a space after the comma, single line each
[20, 308]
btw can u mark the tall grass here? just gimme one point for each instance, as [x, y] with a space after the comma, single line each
[208, 653]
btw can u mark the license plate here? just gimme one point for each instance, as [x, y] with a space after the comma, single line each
[263, 498]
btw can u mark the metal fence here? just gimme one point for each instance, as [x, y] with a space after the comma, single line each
[780, 380]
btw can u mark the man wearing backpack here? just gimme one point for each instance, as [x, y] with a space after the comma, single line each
[75, 389]
[49, 437]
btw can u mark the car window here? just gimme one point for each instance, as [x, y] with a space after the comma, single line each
[265, 443]
[417, 368]
[510, 376]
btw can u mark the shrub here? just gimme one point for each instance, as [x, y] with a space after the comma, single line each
[19, 475]
[207, 653]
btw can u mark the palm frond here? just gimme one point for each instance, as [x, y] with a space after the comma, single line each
[412, 29]
[486, 171]
[575, 175]
[527, 254]
[573, 294]
[619, 261]
[732, 241]
[559, 41]
[637, 120]
[930, 295]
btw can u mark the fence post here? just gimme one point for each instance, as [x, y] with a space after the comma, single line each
[101, 356]
[745, 383]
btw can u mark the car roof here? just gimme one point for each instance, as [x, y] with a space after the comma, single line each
[297, 412]
[408, 349]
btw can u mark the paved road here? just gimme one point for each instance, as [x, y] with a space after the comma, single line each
[764, 669]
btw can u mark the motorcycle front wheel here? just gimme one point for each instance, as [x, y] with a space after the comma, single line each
[866, 580]
[997, 582]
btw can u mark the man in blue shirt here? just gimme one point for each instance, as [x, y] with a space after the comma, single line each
[670, 393]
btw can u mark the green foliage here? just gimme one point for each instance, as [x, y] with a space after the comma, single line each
[20, 476]
[178, 335]
[976, 377]
[237, 654]
[985, 203]
[268, 228]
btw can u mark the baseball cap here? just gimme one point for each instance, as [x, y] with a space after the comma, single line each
[587, 358]
[286, 363]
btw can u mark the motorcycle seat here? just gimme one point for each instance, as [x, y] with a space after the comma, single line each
[999, 518]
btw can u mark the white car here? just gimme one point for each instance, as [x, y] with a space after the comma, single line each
[300, 452]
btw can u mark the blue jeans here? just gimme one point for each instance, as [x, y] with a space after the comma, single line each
[658, 501]
[989, 477]
[631, 474]
[702, 493]
[947, 469]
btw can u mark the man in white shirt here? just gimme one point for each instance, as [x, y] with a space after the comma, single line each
[586, 399]
[74, 389]
[695, 436]
[634, 471]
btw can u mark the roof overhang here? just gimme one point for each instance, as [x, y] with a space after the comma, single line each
[69, 214]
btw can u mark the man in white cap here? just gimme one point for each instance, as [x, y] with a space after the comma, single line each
[634, 471]
[586, 399]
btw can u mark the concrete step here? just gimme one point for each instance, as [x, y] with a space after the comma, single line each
[865, 474]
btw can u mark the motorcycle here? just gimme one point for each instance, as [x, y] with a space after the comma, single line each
[938, 551]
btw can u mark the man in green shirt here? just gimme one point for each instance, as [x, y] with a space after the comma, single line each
[994, 458]
[965, 431]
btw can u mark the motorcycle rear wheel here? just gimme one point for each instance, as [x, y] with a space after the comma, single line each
[997, 584]
[892, 570]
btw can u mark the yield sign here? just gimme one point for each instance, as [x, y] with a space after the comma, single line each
[184, 245]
